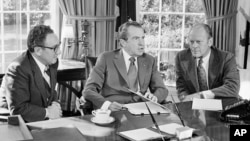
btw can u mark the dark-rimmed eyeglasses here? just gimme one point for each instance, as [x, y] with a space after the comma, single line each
[55, 47]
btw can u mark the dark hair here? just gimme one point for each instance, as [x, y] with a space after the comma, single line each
[37, 35]
[123, 29]
[206, 27]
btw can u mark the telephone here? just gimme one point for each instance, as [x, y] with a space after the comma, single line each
[239, 111]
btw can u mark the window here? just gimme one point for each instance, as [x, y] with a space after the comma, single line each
[16, 19]
[167, 23]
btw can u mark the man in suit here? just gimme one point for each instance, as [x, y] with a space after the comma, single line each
[220, 77]
[127, 68]
[30, 80]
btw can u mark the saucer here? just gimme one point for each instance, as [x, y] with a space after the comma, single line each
[110, 120]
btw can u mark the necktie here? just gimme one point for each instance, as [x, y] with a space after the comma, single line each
[132, 75]
[47, 75]
[202, 79]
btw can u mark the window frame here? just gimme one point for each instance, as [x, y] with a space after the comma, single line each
[160, 13]
[54, 14]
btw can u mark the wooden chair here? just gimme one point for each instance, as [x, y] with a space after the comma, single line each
[90, 63]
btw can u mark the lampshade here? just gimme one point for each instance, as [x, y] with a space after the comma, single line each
[68, 31]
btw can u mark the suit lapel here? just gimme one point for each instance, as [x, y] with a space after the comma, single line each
[120, 65]
[214, 62]
[38, 78]
[190, 64]
[52, 84]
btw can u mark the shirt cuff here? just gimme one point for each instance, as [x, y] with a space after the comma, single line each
[105, 105]
[208, 94]
[46, 113]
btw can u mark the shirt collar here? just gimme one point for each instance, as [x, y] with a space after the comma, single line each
[127, 56]
[206, 58]
[41, 66]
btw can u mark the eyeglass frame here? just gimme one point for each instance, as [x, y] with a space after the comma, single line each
[56, 47]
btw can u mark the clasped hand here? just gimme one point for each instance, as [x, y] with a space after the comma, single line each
[54, 110]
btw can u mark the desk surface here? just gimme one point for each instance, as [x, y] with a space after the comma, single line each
[207, 123]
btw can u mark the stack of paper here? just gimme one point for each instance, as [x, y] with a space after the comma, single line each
[140, 108]
[207, 104]
[140, 134]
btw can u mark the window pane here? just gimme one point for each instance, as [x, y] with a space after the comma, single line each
[11, 5]
[39, 18]
[24, 5]
[151, 25]
[11, 31]
[9, 57]
[172, 5]
[39, 5]
[194, 6]
[167, 67]
[171, 31]
[191, 20]
[24, 32]
[149, 5]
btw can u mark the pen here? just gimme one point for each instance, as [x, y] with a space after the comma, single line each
[155, 123]
[178, 112]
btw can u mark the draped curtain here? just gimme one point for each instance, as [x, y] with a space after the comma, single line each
[100, 14]
[221, 16]
[127, 11]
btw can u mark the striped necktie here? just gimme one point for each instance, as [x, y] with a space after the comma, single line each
[47, 75]
[202, 79]
[132, 75]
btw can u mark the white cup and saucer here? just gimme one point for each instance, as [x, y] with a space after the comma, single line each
[102, 117]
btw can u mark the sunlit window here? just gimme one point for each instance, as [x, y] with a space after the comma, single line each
[16, 19]
[167, 23]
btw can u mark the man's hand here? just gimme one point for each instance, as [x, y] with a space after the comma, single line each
[114, 106]
[152, 97]
[54, 110]
[184, 98]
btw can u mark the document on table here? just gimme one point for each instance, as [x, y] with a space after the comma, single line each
[140, 108]
[141, 134]
[169, 128]
[207, 104]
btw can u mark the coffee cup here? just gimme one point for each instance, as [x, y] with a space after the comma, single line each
[101, 115]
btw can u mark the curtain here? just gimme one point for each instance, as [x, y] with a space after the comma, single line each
[127, 11]
[221, 16]
[100, 15]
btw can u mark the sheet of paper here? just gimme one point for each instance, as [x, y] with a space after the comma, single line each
[207, 104]
[70, 64]
[169, 128]
[140, 108]
[140, 134]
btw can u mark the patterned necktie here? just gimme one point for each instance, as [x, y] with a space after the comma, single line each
[47, 75]
[132, 75]
[202, 79]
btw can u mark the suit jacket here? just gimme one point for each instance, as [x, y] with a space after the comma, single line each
[108, 80]
[25, 88]
[223, 75]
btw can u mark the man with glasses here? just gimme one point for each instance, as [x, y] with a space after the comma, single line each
[30, 80]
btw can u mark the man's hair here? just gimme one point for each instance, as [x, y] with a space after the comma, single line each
[123, 29]
[37, 36]
[206, 27]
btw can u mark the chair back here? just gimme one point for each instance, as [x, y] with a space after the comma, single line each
[90, 63]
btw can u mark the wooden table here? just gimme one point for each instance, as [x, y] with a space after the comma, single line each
[207, 123]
